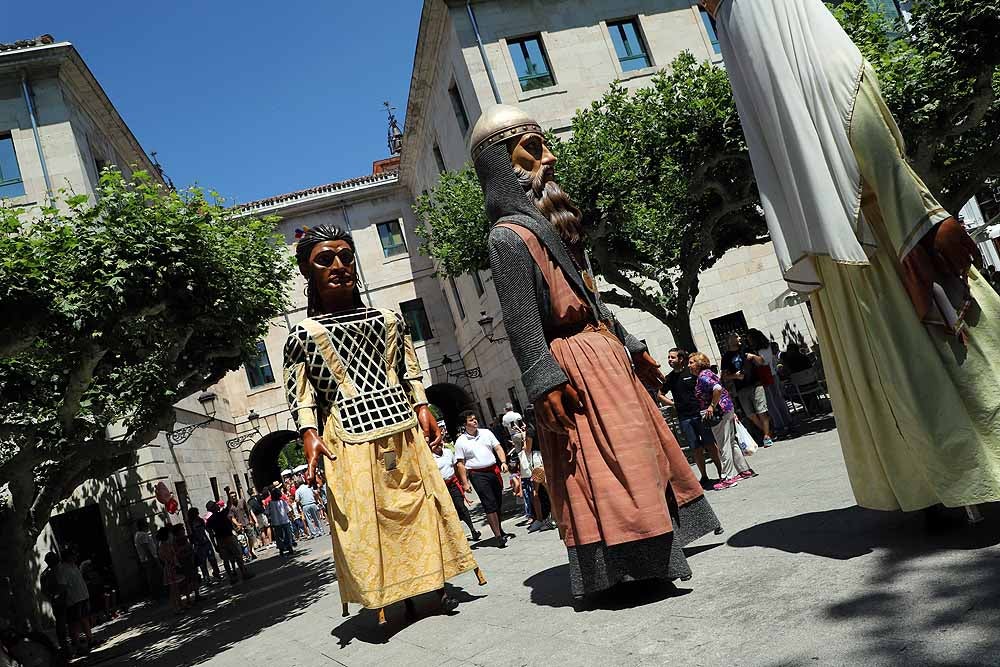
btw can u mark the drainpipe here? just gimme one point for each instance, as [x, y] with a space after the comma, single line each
[357, 260]
[34, 128]
[482, 52]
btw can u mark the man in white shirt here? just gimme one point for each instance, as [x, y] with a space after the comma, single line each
[514, 423]
[445, 459]
[477, 452]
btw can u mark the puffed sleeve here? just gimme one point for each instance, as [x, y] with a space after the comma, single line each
[299, 389]
[413, 375]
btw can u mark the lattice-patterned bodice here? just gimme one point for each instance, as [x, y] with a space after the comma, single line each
[353, 363]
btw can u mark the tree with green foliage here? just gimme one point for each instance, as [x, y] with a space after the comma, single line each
[940, 76]
[110, 312]
[291, 456]
[663, 178]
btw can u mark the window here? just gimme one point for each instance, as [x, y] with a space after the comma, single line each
[492, 409]
[239, 485]
[456, 104]
[709, 22]
[391, 235]
[439, 160]
[728, 324]
[532, 66]
[512, 393]
[11, 184]
[215, 487]
[458, 298]
[246, 476]
[628, 43]
[259, 368]
[478, 282]
[416, 320]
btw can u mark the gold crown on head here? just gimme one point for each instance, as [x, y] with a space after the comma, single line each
[498, 124]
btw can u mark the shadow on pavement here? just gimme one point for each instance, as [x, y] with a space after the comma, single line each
[363, 626]
[850, 532]
[910, 598]
[550, 588]
[700, 548]
[155, 636]
[901, 621]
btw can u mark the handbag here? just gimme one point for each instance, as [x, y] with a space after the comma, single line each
[763, 375]
[715, 419]
[745, 440]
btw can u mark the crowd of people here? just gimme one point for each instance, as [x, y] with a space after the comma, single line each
[480, 457]
[706, 399]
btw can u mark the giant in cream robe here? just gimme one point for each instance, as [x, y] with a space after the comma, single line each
[912, 354]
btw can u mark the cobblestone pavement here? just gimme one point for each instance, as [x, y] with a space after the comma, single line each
[801, 577]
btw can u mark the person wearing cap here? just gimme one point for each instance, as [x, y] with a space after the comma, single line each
[623, 494]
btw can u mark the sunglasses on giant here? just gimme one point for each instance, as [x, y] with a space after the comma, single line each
[328, 257]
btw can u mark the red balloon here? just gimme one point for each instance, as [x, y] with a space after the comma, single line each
[172, 506]
[162, 493]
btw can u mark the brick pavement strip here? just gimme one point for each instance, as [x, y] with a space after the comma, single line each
[801, 577]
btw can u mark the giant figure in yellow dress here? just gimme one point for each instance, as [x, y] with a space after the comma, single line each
[354, 388]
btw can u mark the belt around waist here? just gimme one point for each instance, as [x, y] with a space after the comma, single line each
[578, 328]
[487, 470]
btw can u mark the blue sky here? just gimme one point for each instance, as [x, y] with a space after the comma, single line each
[250, 98]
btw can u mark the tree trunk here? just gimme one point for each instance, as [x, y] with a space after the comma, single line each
[680, 329]
[20, 568]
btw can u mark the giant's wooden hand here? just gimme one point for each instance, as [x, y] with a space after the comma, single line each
[314, 447]
[648, 370]
[429, 425]
[554, 409]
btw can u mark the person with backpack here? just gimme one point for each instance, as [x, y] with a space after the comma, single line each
[256, 505]
[278, 511]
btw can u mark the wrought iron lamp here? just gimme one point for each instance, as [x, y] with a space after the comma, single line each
[254, 419]
[486, 323]
[465, 373]
[181, 435]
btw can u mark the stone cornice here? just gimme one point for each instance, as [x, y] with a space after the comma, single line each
[350, 191]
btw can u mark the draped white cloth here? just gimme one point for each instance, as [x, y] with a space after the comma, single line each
[795, 75]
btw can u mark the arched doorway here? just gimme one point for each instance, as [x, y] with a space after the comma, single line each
[263, 460]
[451, 400]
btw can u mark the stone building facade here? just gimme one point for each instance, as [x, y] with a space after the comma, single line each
[552, 58]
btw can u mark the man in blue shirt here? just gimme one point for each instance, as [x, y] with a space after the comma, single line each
[306, 498]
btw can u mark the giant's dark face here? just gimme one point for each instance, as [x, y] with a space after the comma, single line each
[333, 272]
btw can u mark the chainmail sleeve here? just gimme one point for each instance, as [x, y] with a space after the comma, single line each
[299, 390]
[513, 275]
[632, 344]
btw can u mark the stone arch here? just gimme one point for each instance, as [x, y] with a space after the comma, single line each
[263, 460]
[451, 400]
